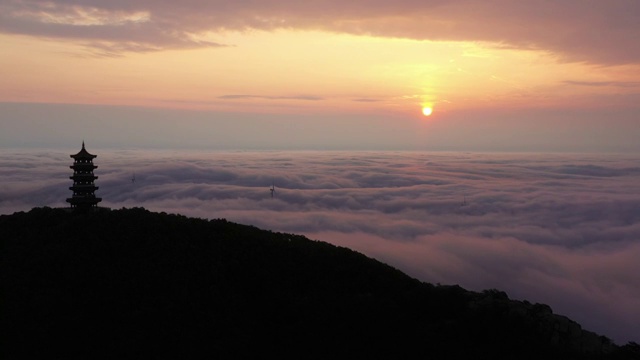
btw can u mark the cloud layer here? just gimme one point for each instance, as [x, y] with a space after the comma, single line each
[558, 229]
[578, 30]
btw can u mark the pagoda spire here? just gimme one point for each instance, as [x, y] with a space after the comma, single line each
[83, 181]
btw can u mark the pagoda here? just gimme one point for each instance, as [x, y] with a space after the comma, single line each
[83, 187]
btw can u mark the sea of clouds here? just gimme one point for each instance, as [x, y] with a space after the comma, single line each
[560, 229]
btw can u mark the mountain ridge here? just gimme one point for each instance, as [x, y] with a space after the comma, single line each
[134, 283]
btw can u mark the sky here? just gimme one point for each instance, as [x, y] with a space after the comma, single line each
[558, 229]
[499, 75]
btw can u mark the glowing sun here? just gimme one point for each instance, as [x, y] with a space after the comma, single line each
[426, 111]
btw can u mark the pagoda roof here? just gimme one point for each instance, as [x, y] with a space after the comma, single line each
[83, 153]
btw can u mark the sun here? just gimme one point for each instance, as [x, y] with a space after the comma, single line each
[426, 111]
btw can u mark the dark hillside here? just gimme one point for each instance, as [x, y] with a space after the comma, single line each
[135, 284]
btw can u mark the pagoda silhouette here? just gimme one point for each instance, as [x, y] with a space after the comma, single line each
[83, 187]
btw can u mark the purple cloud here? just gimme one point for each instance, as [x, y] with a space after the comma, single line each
[577, 30]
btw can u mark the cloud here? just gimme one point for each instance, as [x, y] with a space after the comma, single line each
[579, 283]
[366, 100]
[576, 30]
[294, 97]
[622, 84]
[551, 228]
[106, 31]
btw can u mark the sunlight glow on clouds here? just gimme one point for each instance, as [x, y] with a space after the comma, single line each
[568, 27]
[84, 16]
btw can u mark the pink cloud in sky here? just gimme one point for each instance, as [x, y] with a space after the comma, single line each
[578, 30]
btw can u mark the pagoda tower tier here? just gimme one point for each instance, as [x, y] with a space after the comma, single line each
[83, 187]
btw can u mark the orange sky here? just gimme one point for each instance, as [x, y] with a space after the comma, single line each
[307, 70]
[280, 57]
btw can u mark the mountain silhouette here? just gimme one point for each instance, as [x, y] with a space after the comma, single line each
[131, 283]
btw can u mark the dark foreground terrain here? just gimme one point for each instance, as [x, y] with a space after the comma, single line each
[135, 284]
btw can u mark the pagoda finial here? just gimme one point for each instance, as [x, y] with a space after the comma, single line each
[83, 144]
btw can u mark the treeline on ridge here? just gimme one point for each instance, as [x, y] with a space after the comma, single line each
[131, 283]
